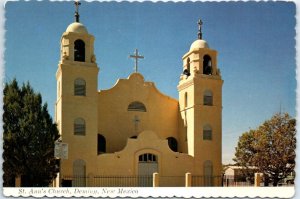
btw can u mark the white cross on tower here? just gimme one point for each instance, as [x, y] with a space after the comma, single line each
[136, 56]
[136, 121]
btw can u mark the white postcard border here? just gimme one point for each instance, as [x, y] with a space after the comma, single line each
[184, 192]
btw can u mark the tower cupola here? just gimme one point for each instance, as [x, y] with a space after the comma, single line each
[200, 59]
[199, 43]
[77, 45]
[77, 27]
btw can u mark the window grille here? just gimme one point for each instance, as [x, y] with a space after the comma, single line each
[79, 127]
[207, 132]
[208, 98]
[79, 87]
[147, 157]
[137, 106]
[207, 135]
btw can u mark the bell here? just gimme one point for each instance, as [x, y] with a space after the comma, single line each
[186, 72]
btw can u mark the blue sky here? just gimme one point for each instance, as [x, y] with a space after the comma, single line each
[255, 44]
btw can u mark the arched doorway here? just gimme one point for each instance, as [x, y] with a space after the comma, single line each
[101, 144]
[79, 173]
[208, 174]
[147, 165]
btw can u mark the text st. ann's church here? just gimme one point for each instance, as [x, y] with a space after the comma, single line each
[121, 136]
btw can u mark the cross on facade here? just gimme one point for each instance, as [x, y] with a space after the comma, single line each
[77, 4]
[136, 121]
[136, 56]
[200, 29]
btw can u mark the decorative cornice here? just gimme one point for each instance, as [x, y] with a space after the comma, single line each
[186, 84]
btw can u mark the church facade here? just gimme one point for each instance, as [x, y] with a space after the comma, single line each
[133, 130]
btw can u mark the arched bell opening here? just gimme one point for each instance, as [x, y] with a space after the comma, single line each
[207, 65]
[187, 71]
[79, 50]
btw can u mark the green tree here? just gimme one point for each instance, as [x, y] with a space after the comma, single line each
[270, 148]
[29, 136]
[244, 155]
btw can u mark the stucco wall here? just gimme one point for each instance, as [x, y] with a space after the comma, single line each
[125, 162]
[117, 124]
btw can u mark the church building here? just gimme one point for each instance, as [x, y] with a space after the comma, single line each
[121, 136]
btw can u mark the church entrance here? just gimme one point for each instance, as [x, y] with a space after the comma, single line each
[79, 168]
[146, 167]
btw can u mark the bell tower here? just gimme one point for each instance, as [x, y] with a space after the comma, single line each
[77, 96]
[200, 101]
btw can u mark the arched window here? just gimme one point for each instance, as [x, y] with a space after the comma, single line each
[188, 65]
[187, 71]
[101, 144]
[137, 106]
[79, 126]
[58, 89]
[208, 173]
[185, 99]
[207, 132]
[79, 87]
[208, 98]
[207, 66]
[79, 50]
[79, 170]
[147, 157]
[172, 144]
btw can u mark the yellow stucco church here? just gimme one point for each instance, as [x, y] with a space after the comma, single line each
[121, 136]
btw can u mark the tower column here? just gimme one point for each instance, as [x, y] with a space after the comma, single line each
[200, 101]
[77, 101]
